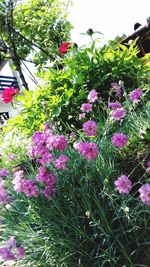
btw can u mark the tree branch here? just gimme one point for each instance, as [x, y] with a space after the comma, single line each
[13, 51]
[32, 43]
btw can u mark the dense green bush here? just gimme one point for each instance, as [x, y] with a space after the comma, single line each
[65, 84]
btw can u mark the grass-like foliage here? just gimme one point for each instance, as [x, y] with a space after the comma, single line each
[89, 221]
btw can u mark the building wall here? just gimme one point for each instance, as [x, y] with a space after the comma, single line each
[6, 71]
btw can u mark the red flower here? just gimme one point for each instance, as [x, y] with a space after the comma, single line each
[64, 47]
[8, 94]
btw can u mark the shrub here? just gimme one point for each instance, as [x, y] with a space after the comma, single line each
[87, 222]
[67, 82]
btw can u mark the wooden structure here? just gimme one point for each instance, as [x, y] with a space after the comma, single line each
[142, 34]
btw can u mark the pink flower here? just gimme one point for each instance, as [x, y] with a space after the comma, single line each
[19, 174]
[145, 193]
[6, 254]
[47, 132]
[61, 162]
[44, 176]
[90, 128]
[148, 170]
[118, 114]
[38, 138]
[8, 94]
[114, 105]
[123, 184]
[117, 88]
[46, 158]
[18, 185]
[86, 107]
[32, 151]
[30, 189]
[78, 145]
[57, 142]
[60, 143]
[88, 150]
[48, 192]
[21, 251]
[72, 135]
[4, 196]
[4, 172]
[119, 139]
[135, 95]
[22, 185]
[92, 96]
[11, 241]
[81, 116]
[18, 181]
[64, 47]
[148, 163]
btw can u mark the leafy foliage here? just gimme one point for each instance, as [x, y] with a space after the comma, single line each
[65, 84]
[45, 24]
[33, 29]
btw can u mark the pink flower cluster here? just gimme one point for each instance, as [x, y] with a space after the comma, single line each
[48, 179]
[114, 105]
[44, 176]
[5, 198]
[117, 111]
[81, 116]
[123, 184]
[117, 89]
[118, 114]
[41, 149]
[8, 94]
[11, 251]
[87, 107]
[29, 188]
[92, 96]
[135, 95]
[43, 143]
[60, 162]
[22, 185]
[87, 149]
[4, 173]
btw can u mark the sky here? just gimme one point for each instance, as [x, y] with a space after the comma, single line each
[111, 17]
